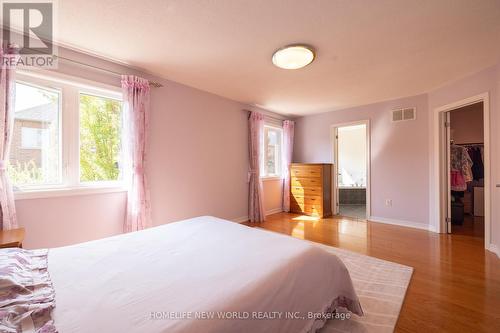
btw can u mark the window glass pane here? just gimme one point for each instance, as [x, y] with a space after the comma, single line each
[35, 157]
[100, 138]
[272, 151]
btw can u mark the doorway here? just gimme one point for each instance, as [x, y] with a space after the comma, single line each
[465, 164]
[351, 160]
[441, 214]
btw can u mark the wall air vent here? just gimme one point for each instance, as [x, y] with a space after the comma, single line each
[404, 114]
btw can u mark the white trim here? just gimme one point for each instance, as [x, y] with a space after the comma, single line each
[243, 219]
[274, 211]
[65, 192]
[438, 189]
[333, 131]
[493, 248]
[270, 178]
[402, 223]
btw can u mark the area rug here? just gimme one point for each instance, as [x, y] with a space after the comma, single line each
[381, 287]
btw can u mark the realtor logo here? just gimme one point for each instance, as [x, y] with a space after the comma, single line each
[29, 26]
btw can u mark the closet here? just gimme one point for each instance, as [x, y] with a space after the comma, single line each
[467, 170]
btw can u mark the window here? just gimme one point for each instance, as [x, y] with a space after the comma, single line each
[273, 138]
[36, 146]
[67, 135]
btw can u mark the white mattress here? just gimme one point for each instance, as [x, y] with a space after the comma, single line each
[160, 279]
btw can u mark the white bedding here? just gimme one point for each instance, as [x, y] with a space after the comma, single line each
[158, 280]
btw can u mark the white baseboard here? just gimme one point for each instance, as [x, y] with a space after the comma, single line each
[493, 248]
[240, 219]
[269, 212]
[274, 211]
[402, 223]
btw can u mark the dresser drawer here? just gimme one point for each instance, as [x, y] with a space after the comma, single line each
[310, 200]
[306, 182]
[299, 191]
[308, 209]
[306, 172]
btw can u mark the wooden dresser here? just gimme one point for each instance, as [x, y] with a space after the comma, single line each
[311, 189]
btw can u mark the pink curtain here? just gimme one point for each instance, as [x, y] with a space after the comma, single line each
[288, 129]
[255, 142]
[7, 98]
[136, 104]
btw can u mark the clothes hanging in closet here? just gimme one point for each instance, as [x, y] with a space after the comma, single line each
[461, 168]
[477, 159]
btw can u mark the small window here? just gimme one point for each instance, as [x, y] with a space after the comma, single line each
[100, 138]
[35, 154]
[273, 138]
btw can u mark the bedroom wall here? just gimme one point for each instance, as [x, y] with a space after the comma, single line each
[467, 124]
[197, 166]
[273, 195]
[399, 156]
[402, 165]
[488, 81]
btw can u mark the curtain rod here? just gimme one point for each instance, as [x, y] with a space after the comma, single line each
[267, 115]
[154, 84]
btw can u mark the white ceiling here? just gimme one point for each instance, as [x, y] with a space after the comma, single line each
[367, 51]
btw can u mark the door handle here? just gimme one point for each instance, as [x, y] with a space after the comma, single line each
[498, 185]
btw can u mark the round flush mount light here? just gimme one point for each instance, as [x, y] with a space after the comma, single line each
[293, 56]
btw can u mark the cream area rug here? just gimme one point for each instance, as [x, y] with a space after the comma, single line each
[381, 287]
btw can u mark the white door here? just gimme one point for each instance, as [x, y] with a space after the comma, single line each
[336, 207]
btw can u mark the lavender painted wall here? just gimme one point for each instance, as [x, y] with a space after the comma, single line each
[60, 221]
[399, 155]
[197, 166]
[197, 155]
[198, 159]
[403, 153]
[488, 81]
[467, 124]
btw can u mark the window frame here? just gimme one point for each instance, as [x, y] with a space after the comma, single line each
[70, 89]
[263, 175]
[46, 85]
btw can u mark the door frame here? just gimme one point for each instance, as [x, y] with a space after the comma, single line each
[441, 165]
[334, 158]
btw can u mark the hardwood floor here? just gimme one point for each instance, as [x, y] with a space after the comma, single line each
[472, 226]
[455, 285]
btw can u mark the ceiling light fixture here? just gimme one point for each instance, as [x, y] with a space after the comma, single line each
[293, 56]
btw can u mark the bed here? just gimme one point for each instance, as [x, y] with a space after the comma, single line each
[198, 275]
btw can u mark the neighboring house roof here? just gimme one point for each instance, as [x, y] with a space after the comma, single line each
[41, 113]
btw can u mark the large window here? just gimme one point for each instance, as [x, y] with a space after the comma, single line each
[66, 135]
[273, 138]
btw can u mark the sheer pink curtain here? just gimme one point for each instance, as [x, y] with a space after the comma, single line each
[136, 105]
[255, 194]
[288, 129]
[7, 98]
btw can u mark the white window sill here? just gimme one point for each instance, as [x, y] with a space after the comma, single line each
[265, 179]
[65, 192]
